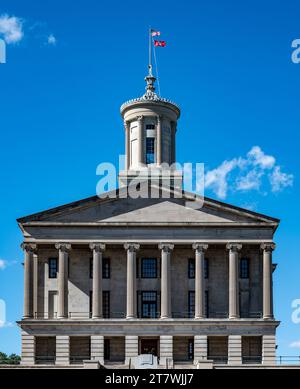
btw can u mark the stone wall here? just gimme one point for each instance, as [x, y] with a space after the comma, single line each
[80, 283]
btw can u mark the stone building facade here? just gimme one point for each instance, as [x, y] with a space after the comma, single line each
[110, 278]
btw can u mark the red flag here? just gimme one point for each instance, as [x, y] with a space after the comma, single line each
[159, 43]
[155, 33]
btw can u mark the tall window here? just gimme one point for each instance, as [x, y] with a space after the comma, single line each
[191, 349]
[91, 267]
[149, 304]
[191, 268]
[106, 304]
[149, 150]
[149, 268]
[53, 267]
[206, 302]
[244, 268]
[191, 303]
[105, 268]
[91, 303]
[206, 267]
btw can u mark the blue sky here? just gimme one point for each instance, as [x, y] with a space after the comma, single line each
[70, 65]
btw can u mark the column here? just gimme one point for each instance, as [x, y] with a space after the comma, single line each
[131, 279]
[233, 279]
[64, 249]
[166, 350]
[200, 348]
[173, 140]
[165, 288]
[234, 349]
[97, 348]
[28, 349]
[36, 314]
[267, 280]
[131, 348]
[159, 141]
[62, 350]
[268, 349]
[141, 140]
[28, 279]
[199, 279]
[127, 144]
[98, 249]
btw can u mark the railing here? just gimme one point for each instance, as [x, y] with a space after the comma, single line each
[45, 360]
[288, 360]
[45, 315]
[218, 315]
[78, 359]
[218, 359]
[183, 315]
[153, 315]
[254, 359]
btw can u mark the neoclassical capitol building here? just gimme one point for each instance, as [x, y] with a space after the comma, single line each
[108, 279]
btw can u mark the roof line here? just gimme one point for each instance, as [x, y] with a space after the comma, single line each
[95, 198]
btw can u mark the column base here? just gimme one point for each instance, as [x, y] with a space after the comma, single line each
[268, 317]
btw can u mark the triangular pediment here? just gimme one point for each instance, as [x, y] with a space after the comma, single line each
[183, 210]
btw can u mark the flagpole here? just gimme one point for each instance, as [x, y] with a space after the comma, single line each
[150, 53]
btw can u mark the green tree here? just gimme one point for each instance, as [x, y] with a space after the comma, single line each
[12, 359]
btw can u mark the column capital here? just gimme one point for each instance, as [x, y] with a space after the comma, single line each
[167, 247]
[29, 247]
[98, 247]
[126, 124]
[140, 118]
[131, 246]
[234, 246]
[200, 246]
[65, 247]
[159, 118]
[268, 246]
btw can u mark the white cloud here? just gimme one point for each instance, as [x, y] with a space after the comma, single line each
[11, 28]
[249, 173]
[258, 157]
[51, 40]
[3, 264]
[280, 180]
[216, 179]
[295, 344]
[252, 180]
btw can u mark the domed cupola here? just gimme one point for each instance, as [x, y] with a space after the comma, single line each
[150, 123]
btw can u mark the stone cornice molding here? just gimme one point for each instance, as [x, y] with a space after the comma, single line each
[97, 247]
[65, 247]
[167, 247]
[234, 246]
[29, 247]
[268, 246]
[131, 246]
[200, 247]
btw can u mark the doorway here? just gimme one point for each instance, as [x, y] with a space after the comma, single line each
[149, 346]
